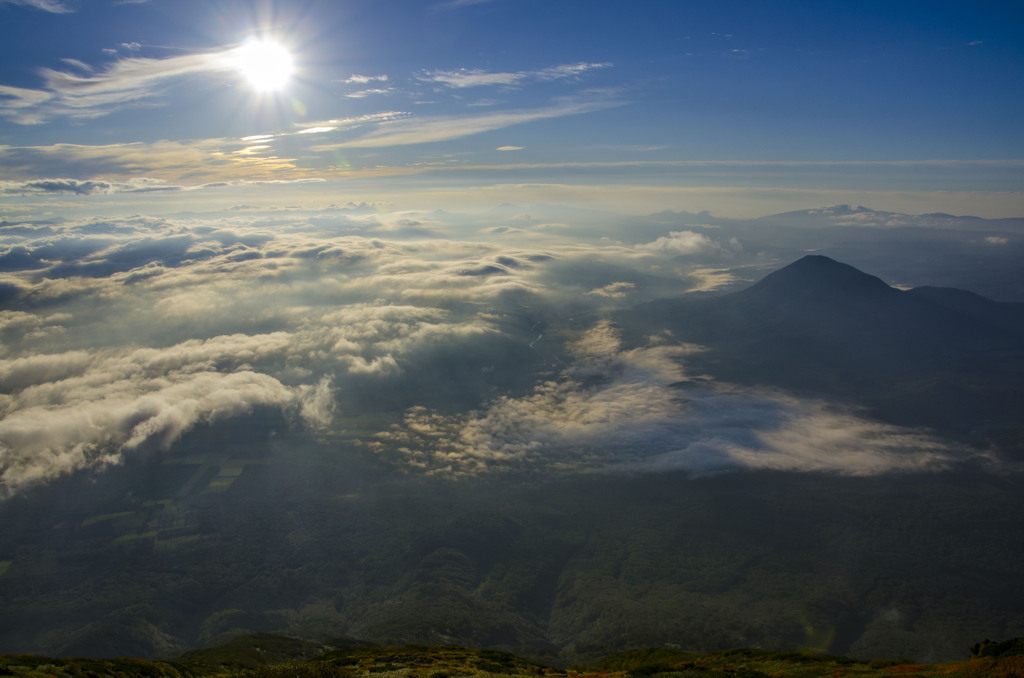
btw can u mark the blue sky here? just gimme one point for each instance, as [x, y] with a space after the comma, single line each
[660, 105]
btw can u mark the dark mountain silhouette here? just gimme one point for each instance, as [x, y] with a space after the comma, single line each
[835, 306]
[934, 356]
[818, 278]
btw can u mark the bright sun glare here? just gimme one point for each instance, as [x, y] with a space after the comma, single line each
[266, 64]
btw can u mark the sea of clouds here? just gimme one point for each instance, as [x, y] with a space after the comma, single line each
[482, 348]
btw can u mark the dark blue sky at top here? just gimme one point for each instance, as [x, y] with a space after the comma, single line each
[864, 66]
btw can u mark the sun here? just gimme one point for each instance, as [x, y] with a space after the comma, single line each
[267, 65]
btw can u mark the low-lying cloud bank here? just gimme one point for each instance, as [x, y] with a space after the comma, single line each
[482, 348]
[619, 410]
[92, 420]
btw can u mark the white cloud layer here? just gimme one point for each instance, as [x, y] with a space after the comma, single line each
[691, 242]
[616, 410]
[114, 408]
[67, 403]
[124, 334]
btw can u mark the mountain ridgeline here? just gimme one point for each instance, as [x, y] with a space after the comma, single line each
[937, 357]
[270, 656]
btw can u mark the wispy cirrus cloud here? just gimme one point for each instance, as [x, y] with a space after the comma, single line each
[87, 169]
[134, 185]
[128, 46]
[363, 93]
[128, 81]
[23, 105]
[463, 77]
[202, 161]
[324, 126]
[54, 6]
[471, 78]
[458, 4]
[409, 131]
[80, 65]
[356, 79]
[1009, 163]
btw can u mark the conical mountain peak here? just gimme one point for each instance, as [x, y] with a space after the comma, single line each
[817, 276]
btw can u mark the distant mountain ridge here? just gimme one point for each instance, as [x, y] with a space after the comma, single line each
[858, 215]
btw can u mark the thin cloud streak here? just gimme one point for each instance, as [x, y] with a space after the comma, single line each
[364, 79]
[936, 162]
[124, 83]
[53, 6]
[139, 185]
[363, 93]
[459, 4]
[323, 126]
[202, 161]
[463, 78]
[428, 130]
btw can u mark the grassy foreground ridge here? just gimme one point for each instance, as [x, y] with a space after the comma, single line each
[272, 656]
